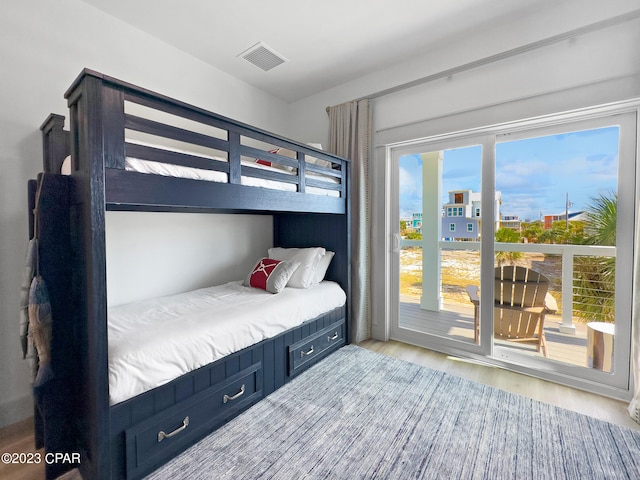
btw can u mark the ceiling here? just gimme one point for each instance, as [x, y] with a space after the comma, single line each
[326, 43]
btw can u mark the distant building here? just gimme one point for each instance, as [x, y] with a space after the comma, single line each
[561, 217]
[416, 222]
[461, 216]
[511, 222]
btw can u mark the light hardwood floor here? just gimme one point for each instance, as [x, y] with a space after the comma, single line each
[610, 410]
[19, 437]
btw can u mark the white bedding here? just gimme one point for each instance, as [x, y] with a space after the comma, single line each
[152, 342]
[170, 170]
[166, 169]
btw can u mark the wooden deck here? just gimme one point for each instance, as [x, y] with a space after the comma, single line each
[455, 320]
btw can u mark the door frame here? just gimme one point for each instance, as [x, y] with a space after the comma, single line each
[486, 352]
[450, 345]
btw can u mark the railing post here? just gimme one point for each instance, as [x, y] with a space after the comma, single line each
[567, 325]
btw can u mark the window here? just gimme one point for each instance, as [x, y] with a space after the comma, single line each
[460, 209]
[458, 198]
[452, 227]
[477, 212]
[449, 212]
[469, 227]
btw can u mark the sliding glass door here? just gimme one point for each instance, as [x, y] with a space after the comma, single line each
[437, 239]
[568, 192]
[516, 246]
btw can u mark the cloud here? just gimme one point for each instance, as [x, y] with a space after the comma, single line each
[408, 185]
[410, 191]
[523, 205]
[522, 175]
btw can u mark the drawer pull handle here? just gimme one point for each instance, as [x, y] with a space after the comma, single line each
[334, 337]
[162, 435]
[308, 352]
[226, 398]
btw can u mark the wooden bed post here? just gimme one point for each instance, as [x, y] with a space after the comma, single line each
[55, 399]
[55, 143]
[87, 212]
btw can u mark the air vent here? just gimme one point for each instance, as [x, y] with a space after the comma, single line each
[262, 56]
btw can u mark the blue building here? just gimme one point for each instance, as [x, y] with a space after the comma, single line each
[416, 222]
[461, 216]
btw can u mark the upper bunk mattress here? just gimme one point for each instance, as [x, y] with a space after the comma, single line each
[179, 171]
[169, 170]
[152, 342]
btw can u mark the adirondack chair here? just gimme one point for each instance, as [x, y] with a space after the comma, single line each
[521, 302]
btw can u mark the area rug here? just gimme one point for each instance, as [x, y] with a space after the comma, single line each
[362, 415]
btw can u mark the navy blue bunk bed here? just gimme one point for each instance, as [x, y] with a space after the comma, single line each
[121, 441]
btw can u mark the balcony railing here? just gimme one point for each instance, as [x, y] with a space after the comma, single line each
[568, 254]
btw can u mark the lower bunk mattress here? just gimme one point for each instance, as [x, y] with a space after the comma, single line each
[152, 342]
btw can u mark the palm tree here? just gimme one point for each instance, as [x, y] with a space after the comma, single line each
[559, 233]
[601, 219]
[506, 235]
[595, 276]
[531, 231]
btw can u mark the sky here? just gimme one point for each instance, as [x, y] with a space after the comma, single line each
[533, 175]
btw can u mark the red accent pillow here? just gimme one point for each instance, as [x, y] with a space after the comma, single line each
[271, 275]
[266, 163]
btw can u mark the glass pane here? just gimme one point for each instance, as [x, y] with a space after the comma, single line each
[440, 234]
[557, 211]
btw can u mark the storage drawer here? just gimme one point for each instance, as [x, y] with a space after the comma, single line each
[316, 346]
[154, 441]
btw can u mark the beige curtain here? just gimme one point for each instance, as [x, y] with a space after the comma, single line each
[634, 406]
[349, 137]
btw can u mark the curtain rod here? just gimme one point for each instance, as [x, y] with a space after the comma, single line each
[623, 18]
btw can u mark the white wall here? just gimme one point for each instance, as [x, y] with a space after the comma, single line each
[581, 60]
[593, 68]
[143, 261]
[43, 46]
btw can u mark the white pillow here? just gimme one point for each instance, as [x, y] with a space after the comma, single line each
[317, 161]
[305, 274]
[65, 169]
[323, 265]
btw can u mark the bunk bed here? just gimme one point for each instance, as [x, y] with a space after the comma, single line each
[236, 169]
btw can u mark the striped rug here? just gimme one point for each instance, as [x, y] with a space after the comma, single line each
[362, 415]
